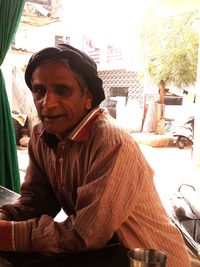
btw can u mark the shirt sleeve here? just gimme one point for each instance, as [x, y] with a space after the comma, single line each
[37, 196]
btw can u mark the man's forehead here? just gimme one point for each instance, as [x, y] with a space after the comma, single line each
[54, 61]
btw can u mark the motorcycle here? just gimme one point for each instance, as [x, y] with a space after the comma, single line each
[183, 134]
[185, 214]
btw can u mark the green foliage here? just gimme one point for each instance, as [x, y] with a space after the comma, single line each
[170, 49]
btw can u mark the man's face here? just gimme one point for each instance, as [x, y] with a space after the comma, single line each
[58, 98]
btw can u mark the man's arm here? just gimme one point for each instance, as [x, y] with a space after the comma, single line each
[37, 196]
[111, 190]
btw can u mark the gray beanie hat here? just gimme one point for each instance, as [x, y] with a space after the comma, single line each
[78, 61]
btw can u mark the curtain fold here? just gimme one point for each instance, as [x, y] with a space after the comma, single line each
[10, 14]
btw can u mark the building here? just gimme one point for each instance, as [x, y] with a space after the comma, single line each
[42, 25]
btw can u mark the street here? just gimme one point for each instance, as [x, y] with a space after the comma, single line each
[172, 167]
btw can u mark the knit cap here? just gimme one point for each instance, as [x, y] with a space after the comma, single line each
[79, 61]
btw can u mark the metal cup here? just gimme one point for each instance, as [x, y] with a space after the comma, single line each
[147, 258]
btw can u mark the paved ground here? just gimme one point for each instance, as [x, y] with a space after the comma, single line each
[153, 139]
[22, 161]
[172, 167]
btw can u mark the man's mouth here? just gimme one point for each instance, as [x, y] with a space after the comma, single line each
[53, 118]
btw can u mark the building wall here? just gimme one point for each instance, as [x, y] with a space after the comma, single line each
[125, 79]
[112, 67]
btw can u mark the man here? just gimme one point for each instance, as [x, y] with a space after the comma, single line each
[81, 161]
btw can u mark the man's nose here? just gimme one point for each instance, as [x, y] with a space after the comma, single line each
[50, 99]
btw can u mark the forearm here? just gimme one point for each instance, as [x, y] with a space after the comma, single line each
[37, 198]
[27, 207]
[42, 235]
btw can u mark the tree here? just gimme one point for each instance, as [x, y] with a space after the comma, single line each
[170, 46]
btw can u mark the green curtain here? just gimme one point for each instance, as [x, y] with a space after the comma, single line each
[10, 14]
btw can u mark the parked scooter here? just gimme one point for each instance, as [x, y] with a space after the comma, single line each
[185, 214]
[183, 134]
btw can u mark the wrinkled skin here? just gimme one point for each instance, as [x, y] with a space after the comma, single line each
[58, 97]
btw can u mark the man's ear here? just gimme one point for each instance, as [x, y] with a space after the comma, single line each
[88, 99]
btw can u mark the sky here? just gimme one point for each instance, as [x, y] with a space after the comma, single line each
[108, 18]
[169, 7]
[114, 19]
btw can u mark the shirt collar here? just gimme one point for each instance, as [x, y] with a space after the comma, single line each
[83, 129]
[80, 133]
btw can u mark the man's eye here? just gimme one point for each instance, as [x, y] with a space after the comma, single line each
[39, 91]
[62, 90]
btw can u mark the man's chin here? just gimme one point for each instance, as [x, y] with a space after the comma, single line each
[59, 133]
[52, 130]
[57, 128]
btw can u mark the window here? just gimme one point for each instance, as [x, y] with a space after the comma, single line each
[59, 39]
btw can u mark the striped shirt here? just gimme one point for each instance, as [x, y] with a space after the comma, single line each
[101, 179]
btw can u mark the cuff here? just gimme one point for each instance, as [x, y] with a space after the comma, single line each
[6, 243]
[22, 237]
